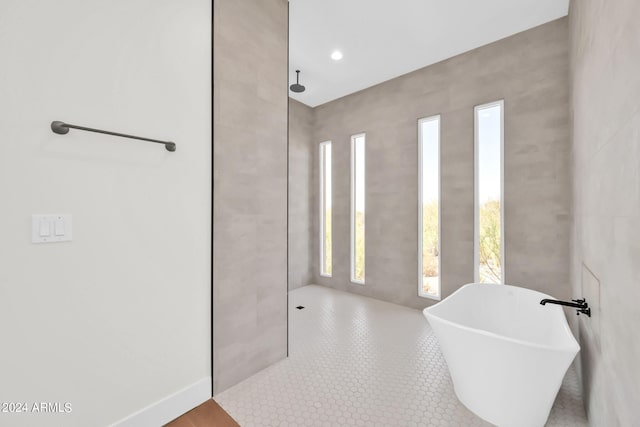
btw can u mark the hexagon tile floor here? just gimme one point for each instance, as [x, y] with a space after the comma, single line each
[362, 362]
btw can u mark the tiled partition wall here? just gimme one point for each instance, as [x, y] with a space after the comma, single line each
[530, 72]
[250, 188]
[605, 52]
[301, 157]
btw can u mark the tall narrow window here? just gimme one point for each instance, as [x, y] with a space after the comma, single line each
[357, 207]
[325, 209]
[489, 209]
[429, 207]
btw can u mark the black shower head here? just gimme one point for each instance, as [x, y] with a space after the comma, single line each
[297, 87]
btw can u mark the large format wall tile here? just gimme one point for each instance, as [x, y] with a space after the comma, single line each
[530, 72]
[250, 188]
[605, 47]
[301, 149]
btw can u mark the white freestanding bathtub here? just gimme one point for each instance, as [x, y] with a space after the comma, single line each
[506, 353]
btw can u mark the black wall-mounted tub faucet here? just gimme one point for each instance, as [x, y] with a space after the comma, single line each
[580, 305]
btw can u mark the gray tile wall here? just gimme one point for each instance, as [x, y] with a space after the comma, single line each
[300, 194]
[605, 63]
[250, 188]
[530, 72]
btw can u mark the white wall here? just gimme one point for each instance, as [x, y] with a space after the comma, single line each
[120, 317]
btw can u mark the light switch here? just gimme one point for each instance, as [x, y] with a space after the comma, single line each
[51, 228]
[45, 228]
[59, 226]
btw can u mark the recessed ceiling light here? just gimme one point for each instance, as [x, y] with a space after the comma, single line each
[336, 55]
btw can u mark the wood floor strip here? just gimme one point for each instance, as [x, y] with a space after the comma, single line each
[209, 414]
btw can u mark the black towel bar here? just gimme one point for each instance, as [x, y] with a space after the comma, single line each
[63, 128]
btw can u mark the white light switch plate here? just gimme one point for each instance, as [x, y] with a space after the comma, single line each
[51, 228]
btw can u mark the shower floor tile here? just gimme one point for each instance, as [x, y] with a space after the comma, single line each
[362, 362]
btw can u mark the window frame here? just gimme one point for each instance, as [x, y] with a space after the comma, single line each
[353, 205]
[322, 202]
[438, 297]
[476, 196]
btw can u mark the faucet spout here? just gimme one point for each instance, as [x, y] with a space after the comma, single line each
[580, 305]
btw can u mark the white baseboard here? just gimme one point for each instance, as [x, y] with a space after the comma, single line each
[169, 408]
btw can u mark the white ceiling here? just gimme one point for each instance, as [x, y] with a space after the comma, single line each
[383, 39]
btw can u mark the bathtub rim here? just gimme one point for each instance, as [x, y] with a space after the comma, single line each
[573, 346]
